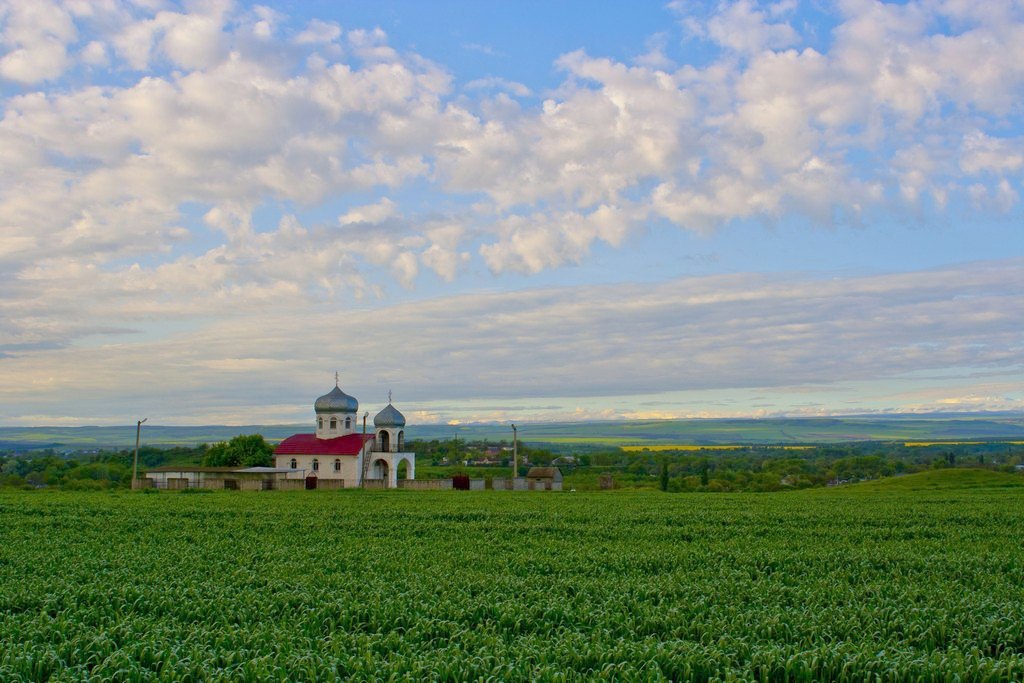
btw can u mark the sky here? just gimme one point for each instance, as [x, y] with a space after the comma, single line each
[499, 211]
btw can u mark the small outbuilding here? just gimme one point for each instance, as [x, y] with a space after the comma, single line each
[230, 478]
[544, 478]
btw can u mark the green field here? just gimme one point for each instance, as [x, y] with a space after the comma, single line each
[913, 578]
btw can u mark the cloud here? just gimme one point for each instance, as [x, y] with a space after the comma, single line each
[726, 334]
[742, 27]
[36, 36]
[252, 116]
[318, 31]
[162, 166]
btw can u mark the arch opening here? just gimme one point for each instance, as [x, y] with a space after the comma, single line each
[380, 470]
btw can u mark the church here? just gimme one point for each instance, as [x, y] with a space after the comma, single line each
[342, 450]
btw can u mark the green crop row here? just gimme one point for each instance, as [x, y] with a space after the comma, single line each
[838, 585]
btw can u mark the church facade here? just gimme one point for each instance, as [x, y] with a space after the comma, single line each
[342, 449]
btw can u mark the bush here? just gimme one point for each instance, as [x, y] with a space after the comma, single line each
[85, 485]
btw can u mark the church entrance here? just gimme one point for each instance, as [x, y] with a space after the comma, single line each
[380, 471]
[311, 482]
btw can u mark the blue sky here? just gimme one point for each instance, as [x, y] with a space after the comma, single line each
[528, 211]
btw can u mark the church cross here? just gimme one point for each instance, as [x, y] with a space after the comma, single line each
[335, 379]
[389, 397]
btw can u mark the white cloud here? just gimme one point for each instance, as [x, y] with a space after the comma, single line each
[741, 26]
[371, 213]
[36, 36]
[981, 153]
[317, 31]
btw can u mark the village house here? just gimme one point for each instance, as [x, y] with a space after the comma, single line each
[544, 478]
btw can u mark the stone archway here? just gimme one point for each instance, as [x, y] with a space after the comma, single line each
[402, 469]
[380, 470]
[385, 441]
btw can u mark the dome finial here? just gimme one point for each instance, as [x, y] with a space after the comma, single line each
[389, 397]
[335, 378]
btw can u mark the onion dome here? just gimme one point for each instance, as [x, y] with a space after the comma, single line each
[337, 401]
[389, 417]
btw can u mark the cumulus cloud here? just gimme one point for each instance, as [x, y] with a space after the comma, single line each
[35, 37]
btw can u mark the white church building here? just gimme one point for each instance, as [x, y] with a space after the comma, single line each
[342, 452]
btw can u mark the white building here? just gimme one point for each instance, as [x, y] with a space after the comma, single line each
[342, 449]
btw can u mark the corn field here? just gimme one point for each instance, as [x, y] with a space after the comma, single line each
[453, 586]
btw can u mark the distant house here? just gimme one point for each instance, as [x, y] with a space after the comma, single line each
[544, 478]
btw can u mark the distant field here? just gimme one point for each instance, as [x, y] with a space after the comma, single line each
[691, 447]
[955, 443]
[944, 479]
[778, 431]
[915, 578]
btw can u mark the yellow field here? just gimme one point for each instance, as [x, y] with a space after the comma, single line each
[693, 447]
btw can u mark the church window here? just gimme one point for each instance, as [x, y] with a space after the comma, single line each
[320, 422]
[337, 464]
[295, 464]
[316, 464]
[401, 440]
[348, 423]
[334, 423]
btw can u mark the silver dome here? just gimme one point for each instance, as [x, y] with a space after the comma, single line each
[337, 401]
[389, 417]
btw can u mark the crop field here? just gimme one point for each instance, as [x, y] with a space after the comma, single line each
[919, 580]
[692, 447]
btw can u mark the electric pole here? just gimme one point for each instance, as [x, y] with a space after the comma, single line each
[515, 455]
[135, 461]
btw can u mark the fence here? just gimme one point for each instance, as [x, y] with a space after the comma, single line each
[425, 484]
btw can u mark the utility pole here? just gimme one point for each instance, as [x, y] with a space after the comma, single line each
[135, 462]
[362, 474]
[515, 456]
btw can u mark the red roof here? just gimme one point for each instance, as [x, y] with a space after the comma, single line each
[308, 444]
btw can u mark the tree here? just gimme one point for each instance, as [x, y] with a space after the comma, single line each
[245, 450]
[664, 476]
